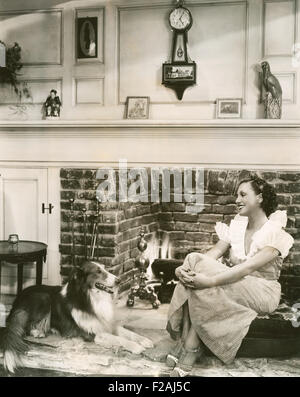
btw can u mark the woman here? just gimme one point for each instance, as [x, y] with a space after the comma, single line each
[214, 303]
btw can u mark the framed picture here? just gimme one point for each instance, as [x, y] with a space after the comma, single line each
[137, 107]
[229, 108]
[87, 37]
[179, 72]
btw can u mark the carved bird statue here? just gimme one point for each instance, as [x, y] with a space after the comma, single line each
[273, 93]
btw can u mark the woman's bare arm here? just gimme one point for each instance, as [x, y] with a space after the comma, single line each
[252, 264]
[218, 249]
[232, 275]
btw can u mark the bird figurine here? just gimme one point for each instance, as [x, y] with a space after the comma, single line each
[272, 97]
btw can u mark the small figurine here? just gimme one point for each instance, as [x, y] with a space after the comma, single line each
[53, 105]
[273, 93]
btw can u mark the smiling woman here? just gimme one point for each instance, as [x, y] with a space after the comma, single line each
[249, 188]
[214, 304]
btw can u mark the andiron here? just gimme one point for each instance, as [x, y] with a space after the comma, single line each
[143, 290]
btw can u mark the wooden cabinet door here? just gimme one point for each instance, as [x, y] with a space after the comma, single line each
[22, 192]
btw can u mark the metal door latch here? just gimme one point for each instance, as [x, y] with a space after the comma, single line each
[44, 208]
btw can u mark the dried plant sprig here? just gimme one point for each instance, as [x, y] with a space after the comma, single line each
[9, 74]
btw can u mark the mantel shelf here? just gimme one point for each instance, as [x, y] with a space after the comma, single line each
[152, 129]
[246, 143]
[216, 123]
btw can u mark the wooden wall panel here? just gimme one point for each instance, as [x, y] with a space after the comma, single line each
[39, 33]
[217, 43]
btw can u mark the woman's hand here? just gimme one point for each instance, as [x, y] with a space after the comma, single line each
[198, 281]
[194, 280]
[180, 273]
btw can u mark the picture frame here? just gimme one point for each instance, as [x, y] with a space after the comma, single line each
[179, 72]
[137, 107]
[229, 108]
[179, 76]
[86, 37]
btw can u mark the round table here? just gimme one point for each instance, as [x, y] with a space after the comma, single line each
[21, 253]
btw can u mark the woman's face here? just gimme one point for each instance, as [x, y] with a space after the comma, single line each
[247, 200]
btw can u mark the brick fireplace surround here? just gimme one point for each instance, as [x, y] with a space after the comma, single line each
[171, 231]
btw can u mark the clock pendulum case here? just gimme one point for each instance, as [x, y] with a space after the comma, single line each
[180, 73]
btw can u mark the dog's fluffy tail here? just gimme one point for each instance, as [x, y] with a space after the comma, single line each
[12, 343]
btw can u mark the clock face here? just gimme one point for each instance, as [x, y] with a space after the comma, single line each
[180, 18]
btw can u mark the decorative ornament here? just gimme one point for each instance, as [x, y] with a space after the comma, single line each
[271, 93]
[52, 105]
[180, 52]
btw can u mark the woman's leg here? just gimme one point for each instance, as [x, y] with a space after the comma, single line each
[192, 341]
[186, 322]
[174, 354]
[172, 358]
[192, 349]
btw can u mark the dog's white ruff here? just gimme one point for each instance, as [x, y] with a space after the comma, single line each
[102, 320]
[102, 324]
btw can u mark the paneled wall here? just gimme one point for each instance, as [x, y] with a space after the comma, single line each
[227, 41]
[221, 63]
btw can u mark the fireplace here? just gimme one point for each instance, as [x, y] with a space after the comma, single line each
[171, 230]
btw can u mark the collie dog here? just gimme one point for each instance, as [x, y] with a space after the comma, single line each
[84, 307]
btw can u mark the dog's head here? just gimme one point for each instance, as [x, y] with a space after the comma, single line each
[93, 276]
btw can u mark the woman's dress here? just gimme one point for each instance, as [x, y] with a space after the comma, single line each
[222, 315]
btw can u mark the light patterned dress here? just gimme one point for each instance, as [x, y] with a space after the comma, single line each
[222, 315]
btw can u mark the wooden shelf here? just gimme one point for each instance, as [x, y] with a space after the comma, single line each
[243, 143]
[149, 129]
[217, 123]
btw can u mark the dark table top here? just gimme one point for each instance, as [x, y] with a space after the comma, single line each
[22, 248]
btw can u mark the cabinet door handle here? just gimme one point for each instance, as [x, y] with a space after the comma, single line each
[44, 208]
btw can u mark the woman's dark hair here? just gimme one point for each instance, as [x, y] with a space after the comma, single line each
[269, 203]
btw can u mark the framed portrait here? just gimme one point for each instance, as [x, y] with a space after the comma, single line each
[87, 37]
[229, 108]
[137, 107]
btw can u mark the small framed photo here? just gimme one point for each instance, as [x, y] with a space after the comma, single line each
[87, 37]
[229, 108]
[137, 107]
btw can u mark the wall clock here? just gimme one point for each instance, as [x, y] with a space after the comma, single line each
[180, 73]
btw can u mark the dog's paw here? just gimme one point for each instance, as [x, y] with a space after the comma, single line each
[103, 341]
[147, 343]
[134, 337]
[134, 347]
